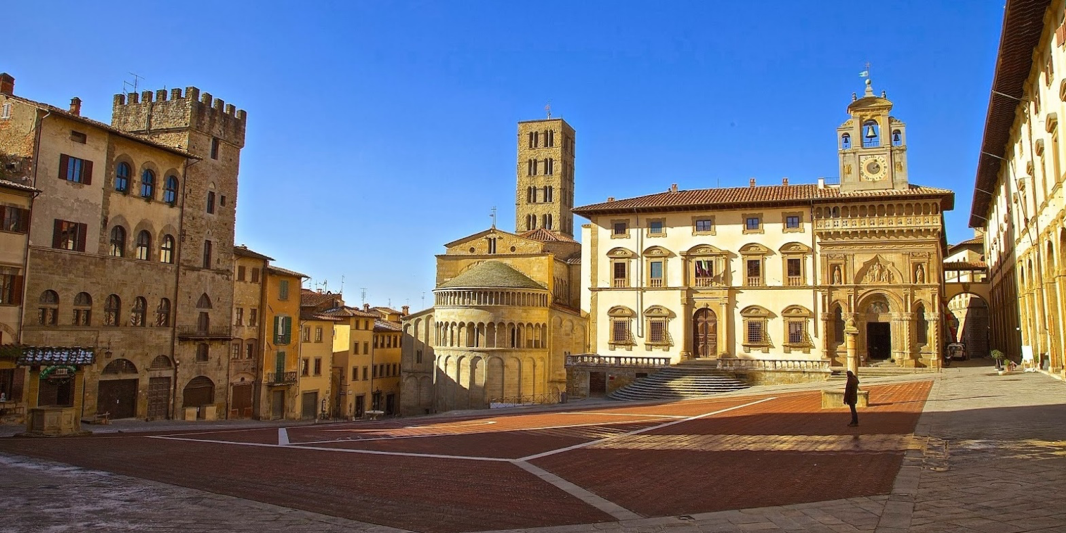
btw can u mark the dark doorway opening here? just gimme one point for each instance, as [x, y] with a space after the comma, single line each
[597, 383]
[117, 398]
[277, 405]
[309, 403]
[241, 405]
[878, 340]
[158, 398]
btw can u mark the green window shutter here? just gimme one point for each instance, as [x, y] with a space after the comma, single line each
[277, 330]
[286, 326]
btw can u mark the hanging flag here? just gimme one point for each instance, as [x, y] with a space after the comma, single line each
[864, 74]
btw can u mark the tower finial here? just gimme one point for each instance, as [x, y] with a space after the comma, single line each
[493, 215]
[548, 109]
[869, 86]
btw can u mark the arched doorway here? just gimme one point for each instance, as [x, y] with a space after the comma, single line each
[878, 330]
[705, 333]
[116, 394]
[972, 313]
[199, 392]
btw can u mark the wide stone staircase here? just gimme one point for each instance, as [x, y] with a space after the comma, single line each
[690, 379]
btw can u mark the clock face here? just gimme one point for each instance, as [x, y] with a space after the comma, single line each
[873, 168]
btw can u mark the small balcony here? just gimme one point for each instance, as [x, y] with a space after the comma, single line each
[620, 283]
[795, 281]
[655, 283]
[754, 281]
[195, 333]
[709, 281]
[281, 378]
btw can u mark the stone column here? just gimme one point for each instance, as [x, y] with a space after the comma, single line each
[850, 332]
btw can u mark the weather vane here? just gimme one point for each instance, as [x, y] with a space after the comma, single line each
[548, 108]
[493, 215]
[865, 73]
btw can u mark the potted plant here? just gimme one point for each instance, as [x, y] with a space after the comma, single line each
[999, 356]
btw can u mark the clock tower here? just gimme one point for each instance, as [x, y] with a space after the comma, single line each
[872, 145]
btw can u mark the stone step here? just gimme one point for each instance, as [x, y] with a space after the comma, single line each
[686, 380]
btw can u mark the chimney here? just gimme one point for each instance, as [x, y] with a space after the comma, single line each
[673, 187]
[75, 106]
[366, 307]
[751, 183]
[610, 198]
[405, 310]
[7, 84]
[784, 181]
[821, 183]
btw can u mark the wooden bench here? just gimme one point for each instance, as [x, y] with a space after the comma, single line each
[834, 399]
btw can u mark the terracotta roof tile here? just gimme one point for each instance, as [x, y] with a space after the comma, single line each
[243, 251]
[286, 272]
[740, 196]
[11, 184]
[310, 298]
[965, 265]
[348, 312]
[545, 235]
[384, 325]
[492, 274]
[306, 315]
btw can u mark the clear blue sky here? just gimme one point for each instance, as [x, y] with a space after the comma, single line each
[378, 131]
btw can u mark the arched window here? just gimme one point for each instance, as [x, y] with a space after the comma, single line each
[162, 313]
[140, 307]
[120, 366]
[845, 141]
[147, 183]
[144, 245]
[118, 241]
[204, 302]
[210, 201]
[48, 312]
[83, 305]
[871, 134]
[111, 310]
[838, 325]
[203, 321]
[122, 177]
[170, 192]
[923, 325]
[166, 250]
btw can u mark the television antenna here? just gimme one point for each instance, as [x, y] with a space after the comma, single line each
[136, 79]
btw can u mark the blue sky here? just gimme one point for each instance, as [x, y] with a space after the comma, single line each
[378, 131]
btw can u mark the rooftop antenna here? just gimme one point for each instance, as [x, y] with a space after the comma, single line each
[548, 108]
[136, 79]
[325, 285]
[363, 291]
[342, 283]
[493, 215]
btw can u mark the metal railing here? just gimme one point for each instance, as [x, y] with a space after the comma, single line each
[592, 359]
[804, 365]
[281, 378]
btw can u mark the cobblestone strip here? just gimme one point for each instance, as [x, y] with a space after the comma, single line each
[38, 496]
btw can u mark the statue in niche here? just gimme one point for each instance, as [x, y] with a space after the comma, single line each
[919, 274]
[878, 273]
[836, 274]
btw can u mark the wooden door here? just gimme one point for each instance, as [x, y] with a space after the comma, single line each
[309, 405]
[277, 404]
[117, 398]
[241, 404]
[158, 398]
[597, 383]
[705, 332]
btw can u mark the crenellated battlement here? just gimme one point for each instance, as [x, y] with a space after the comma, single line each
[149, 113]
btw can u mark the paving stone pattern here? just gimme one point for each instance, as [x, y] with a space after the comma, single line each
[987, 454]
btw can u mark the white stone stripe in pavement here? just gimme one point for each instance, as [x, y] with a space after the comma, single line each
[607, 506]
[283, 437]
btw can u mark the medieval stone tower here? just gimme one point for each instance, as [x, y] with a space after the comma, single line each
[872, 145]
[212, 132]
[545, 191]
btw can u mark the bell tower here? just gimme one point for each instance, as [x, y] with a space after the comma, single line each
[872, 145]
[544, 195]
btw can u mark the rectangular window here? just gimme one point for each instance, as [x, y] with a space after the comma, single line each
[355, 347]
[282, 330]
[283, 289]
[235, 351]
[307, 334]
[364, 373]
[754, 272]
[240, 273]
[755, 332]
[621, 274]
[752, 223]
[796, 335]
[10, 289]
[318, 334]
[795, 271]
[792, 221]
[657, 331]
[14, 219]
[305, 367]
[318, 366]
[78, 137]
[704, 272]
[620, 229]
[75, 169]
[214, 148]
[255, 275]
[376, 367]
[207, 254]
[704, 225]
[239, 320]
[253, 315]
[655, 270]
[68, 235]
[249, 350]
[620, 331]
[6, 114]
[366, 348]
[355, 373]
[656, 227]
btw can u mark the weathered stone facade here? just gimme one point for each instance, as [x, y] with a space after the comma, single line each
[544, 195]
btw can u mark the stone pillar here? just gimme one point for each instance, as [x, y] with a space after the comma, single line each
[850, 332]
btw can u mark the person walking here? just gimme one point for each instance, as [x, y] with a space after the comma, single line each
[851, 397]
